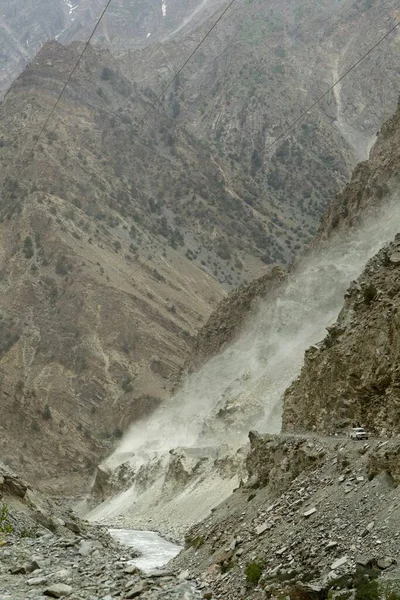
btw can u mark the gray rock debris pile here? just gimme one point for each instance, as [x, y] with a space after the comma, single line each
[49, 553]
[80, 569]
[328, 508]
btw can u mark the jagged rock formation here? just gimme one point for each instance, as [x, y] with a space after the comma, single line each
[172, 491]
[228, 320]
[353, 373]
[47, 551]
[371, 184]
[24, 511]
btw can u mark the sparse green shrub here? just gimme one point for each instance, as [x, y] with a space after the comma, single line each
[118, 433]
[298, 592]
[253, 572]
[62, 266]
[176, 108]
[28, 533]
[47, 416]
[196, 542]
[369, 293]
[5, 525]
[367, 590]
[35, 426]
[391, 594]
[52, 136]
[364, 581]
[107, 74]
[127, 384]
[28, 247]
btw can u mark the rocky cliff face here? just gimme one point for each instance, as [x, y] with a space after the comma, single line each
[228, 320]
[371, 184]
[352, 373]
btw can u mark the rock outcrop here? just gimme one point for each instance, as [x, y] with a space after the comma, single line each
[371, 185]
[229, 319]
[47, 551]
[352, 375]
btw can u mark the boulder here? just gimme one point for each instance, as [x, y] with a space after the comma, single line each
[59, 590]
[25, 568]
[72, 526]
[135, 591]
[366, 561]
[87, 547]
[339, 563]
[384, 562]
[15, 486]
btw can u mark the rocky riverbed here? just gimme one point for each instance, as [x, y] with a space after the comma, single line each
[48, 552]
[81, 569]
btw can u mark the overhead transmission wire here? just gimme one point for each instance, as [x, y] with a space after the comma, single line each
[313, 105]
[305, 112]
[71, 74]
[189, 58]
[176, 75]
[82, 53]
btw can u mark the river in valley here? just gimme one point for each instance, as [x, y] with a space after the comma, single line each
[155, 551]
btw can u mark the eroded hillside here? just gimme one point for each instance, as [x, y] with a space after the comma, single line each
[97, 316]
[261, 68]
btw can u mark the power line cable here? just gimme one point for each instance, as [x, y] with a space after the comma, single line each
[314, 104]
[71, 74]
[168, 85]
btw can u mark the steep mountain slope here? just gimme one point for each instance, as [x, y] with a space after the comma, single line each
[113, 239]
[370, 195]
[318, 515]
[258, 71]
[26, 26]
[94, 327]
[352, 374]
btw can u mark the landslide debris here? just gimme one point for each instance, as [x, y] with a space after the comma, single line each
[317, 516]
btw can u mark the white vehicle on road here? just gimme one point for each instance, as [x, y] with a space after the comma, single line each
[358, 433]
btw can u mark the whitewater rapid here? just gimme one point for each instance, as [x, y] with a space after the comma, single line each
[155, 552]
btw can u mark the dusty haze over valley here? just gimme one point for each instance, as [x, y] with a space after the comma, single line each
[199, 295]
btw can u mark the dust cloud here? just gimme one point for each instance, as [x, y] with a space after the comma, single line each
[242, 387]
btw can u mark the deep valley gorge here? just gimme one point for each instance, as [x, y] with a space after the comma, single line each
[199, 295]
